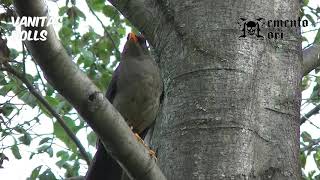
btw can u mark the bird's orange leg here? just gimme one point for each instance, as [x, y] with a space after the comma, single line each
[151, 152]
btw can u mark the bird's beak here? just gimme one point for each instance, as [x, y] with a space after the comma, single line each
[133, 37]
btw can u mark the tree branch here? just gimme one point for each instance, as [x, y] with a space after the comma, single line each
[87, 99]
[311, 59]
[143, 14]
[105, 30]
[37, 95]
[314, 111]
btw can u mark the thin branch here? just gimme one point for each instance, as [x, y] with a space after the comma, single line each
[307, 46]
[313, 124]
[23, 58]
[314, 111]
[104, 28]
[311, 58]
[37, 95]
[38, 72]
[311, 30]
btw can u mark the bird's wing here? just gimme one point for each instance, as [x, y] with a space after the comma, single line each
[112, 88]
[103, 166]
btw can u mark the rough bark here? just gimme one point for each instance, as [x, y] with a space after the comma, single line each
[231, 107]
[87, 99]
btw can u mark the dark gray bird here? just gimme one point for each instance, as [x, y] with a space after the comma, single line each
[135, 91]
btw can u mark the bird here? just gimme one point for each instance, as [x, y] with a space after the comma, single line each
[135, 91]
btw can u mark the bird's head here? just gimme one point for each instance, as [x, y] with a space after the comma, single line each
[135, 46]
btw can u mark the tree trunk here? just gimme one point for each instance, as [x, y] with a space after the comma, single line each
[231, 107]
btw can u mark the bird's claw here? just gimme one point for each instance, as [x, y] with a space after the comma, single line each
[140, 139]
[151, 152]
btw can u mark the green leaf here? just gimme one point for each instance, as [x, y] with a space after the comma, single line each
[73, 156]
[60, 107]
[303, 160]
[50, 90]
[13, 53]
[310, 18]
[19, 129]
[30, 78]
[44, 110]
[79, 13]
[31, 155]
[306, 137]
[3, 157]
[92, 138]
[2, 79]
[43, 148]
[7, 109]
[87, 59]
[5, 133]
[61, 163]
[15, 151]
[29, 99]
[96, 5]
[6, 2]
[47, 175]
[65, 33]
[122, 31]
[50, 151]
[304, 39]
[104, 80]
[111, 12]
[317, 38]
[25, 139]
[317, 177]
[63, 155]
[46, 148]
[8, 28]
[305, 2]
[315, 96]
[35, 173]
[52, 101]
[306, 82]
[103, 49]
[63, 10]
[72, 170]
[316, 157]
[44, 140]
[61, 134]
[310, 175]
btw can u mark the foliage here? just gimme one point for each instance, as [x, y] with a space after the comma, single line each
[96, 54]
[310, 145]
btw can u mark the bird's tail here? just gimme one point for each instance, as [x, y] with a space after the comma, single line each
[103, 166]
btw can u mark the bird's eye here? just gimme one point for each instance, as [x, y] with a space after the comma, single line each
[142, 41]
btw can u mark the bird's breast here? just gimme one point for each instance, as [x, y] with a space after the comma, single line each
[138, 97]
